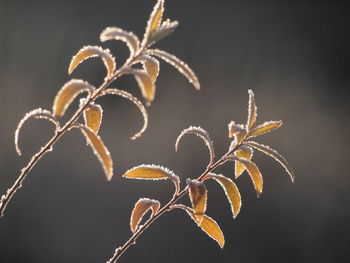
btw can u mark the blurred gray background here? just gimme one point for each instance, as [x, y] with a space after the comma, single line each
[293, 54]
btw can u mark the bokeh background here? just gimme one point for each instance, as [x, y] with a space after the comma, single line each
[293, 54]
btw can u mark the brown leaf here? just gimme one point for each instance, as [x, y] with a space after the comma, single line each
[146, 85]
[265, 128]
[275, 155]
[254, 173]
[181, 66]
[141, 207]
[99, 149]
[231, 191]
[68, 93]
[242, 152]
[115, 33]
[151, 65]
[134, 100]
[154, 21]
[94, 51]
[93, 116]
[208, 225]
[198, 196]
[252, 111]
[38, 114]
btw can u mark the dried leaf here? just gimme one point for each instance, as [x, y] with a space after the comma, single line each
[141, 207]
[115, 33]
[265, 128]
[164, 30]
[198, 196]
[203, 134]
[254, 173]
[68, 93]
[252, 111]
[208, 225]
[238, 131]
[151, 65]
[99, 149]
[134, 100]
[152, 172]
[148, 89]
[154, 21]
[242, 152]
[38, 114]
[93, 116]
[94, 51]
[275, 155]
[181, 66]
[231, 191]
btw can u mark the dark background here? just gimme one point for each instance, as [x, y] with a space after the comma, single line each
[293, 54]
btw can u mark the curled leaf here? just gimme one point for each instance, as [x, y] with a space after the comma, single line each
[181, 66]
[266, 127]
[252, 111]
[151, 65]
[68, 93]
[152, 172]
[203, 134]
[208, 225]
[275, 155]
[154, 21]
[115, 33]
[244, 152]
[134, 100]
[38, 114]
[231, 191]
[164, 30]
[99, 149]
[93, 116]
[238, 131]
[198, 196]
[141, 207]
[254, 173]
[94, 51]
[145, 82]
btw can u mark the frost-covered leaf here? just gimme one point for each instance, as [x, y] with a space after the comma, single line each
[164, 30]
[252, 111]
[275, 155]
[208, 225]
[141, 207]
[244, 152]
[198, 196]
[134, 100]
[154, 21]
[115, 33]
[203, 134]
[265, 128]
[152, 172]
[68, 93]
[94, 51]
[231, 191]
[92, 115]
[38, 114]
[148, 89]
[151, 65]
[181, 66]
[254, 173]
[99, 149]
[238, 131]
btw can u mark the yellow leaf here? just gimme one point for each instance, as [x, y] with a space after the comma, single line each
[115, 33]
[151, 65]
[94, 51]
[164, 30]
[254, 173]
[208, 225]
[274, 154]
[141, 207]
[68, 93]
[150, 172]
[154, 21]
[238, 131]
[181, 66]
[146, 85]
[242, 152]
[265, 128]
[93, 116]
[99, 149]
[252, 111]
[198, 196]
[231, 191]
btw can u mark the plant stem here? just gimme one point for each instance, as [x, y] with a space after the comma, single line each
[168, 207]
